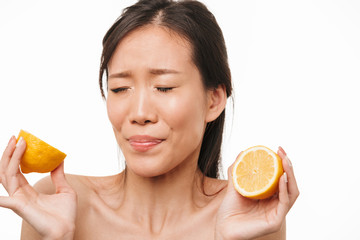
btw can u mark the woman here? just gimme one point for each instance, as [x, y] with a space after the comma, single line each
[167, 81]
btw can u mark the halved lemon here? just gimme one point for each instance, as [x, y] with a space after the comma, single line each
[39, 156]
[256, 172]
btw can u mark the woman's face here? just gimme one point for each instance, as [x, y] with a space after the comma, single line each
[156, 101]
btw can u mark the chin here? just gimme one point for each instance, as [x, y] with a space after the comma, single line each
[147, 169]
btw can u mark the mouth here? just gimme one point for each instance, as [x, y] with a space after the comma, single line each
[143, 143]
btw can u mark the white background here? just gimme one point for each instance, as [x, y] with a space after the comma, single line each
[295, 68]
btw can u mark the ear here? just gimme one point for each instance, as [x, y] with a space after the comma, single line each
[216, 102]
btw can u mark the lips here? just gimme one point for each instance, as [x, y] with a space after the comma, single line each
[143, 143]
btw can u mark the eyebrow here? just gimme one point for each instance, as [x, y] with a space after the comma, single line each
[153, 71]
[161, 71]
[120, 75]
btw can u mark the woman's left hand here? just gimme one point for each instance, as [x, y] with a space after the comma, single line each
[242, 218]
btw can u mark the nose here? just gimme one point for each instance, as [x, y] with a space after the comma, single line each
[142, 108]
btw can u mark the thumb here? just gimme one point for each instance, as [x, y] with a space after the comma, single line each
[7, 202]
[58, 179]
[230, 177]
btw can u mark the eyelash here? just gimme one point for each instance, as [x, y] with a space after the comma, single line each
[116, 90]
[160, 89]
[164, 89]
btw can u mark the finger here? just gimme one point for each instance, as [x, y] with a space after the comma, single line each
[230, 169]
[6, 202]
[59, 180]
[8, 152]
[230, 179]
[284, 201]
[232, 165]
[14, 163]
[288, 168]
[284, 157]
[12, 177]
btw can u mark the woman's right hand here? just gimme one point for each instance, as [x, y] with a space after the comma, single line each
[52, 216]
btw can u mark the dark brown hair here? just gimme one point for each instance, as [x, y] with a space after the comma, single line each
[193, 21]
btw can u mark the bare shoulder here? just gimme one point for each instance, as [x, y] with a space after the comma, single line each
[215, 189]
[46, 186]
[43, 186]
[215, 185]
[79, 183]
[85, 187]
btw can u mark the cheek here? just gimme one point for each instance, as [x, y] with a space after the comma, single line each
[115, 113]
[185, 116]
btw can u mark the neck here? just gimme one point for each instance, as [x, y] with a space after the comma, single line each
[156, 201]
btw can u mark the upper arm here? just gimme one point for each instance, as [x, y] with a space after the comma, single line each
[44, 186]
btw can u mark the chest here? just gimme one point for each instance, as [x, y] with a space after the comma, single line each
[94, 224]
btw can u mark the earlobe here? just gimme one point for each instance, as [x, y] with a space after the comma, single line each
[216, 102]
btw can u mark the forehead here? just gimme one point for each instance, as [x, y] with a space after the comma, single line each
[155, 32]
[154, 45]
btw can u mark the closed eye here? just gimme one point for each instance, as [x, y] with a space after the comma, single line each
[164, 89]
[116, 90]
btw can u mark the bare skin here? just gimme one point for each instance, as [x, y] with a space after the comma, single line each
[105, 212]
[159, 108]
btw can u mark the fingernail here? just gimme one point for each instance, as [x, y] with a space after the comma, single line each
[282, 150]
[285, 177]
[20, 141]
[286, 157]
